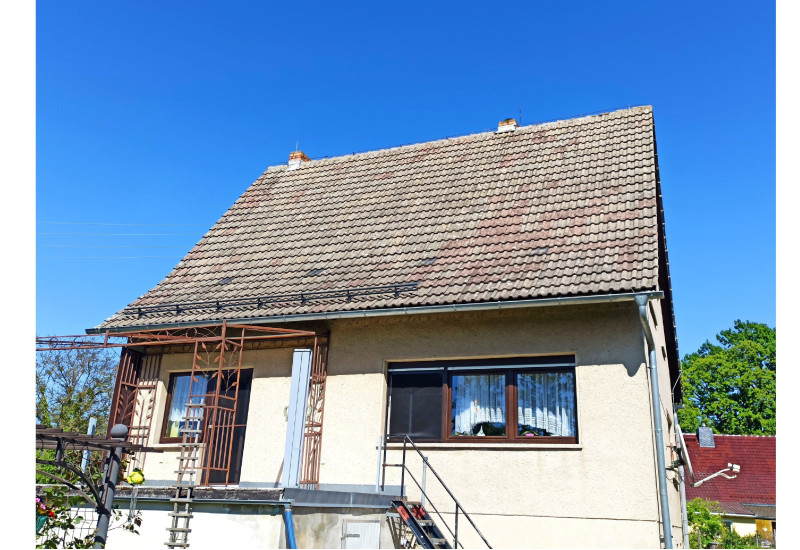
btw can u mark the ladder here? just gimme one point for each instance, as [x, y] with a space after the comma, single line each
[424, 528]
[186, 482]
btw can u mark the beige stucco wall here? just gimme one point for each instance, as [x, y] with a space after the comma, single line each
[607, 479]
[228, 526]
[266, 422]
[213, 527]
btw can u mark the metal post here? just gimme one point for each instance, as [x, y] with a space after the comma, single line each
[383, 469]
[455, 540]
[90, 431]
[120, 431]
[378, 473]
[424, 472]
[403, 471]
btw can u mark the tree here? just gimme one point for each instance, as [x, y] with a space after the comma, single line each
[731, 386]
[74, 385]
[705, 523]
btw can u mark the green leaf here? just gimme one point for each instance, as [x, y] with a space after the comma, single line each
[731, 386]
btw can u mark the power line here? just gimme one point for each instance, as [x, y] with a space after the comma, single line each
[99, 257]
[127, 224]
[105, 246]
[124, 234]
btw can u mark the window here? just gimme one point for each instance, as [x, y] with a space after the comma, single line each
[177, 399]
[203, 385]
[519, 399]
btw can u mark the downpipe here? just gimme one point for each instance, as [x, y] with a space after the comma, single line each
[289, 521]
[641, 302]
[684, 512]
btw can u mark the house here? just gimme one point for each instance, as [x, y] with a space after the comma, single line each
[747, 502]
[501, 298]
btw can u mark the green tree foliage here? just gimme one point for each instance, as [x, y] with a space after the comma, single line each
[74, 385]
[730, 386]
[705, 523]
[71, 387]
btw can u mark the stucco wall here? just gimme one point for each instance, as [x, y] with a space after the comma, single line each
[608, 479]
[261, 526]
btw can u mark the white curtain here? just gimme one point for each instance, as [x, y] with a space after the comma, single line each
[180, 397]
[547, 402]
[478, 398]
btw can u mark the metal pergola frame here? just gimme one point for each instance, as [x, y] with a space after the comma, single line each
[217, 352]
[101, 498]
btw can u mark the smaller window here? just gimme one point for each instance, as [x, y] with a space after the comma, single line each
[416, 404]
[546, 404]
[177, 399]
[479, 405]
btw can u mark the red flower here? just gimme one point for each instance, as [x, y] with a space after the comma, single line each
[51, 514]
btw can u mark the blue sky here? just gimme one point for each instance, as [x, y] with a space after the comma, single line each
[161, 114]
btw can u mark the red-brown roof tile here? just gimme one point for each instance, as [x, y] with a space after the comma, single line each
[755, 483]
[557, 209]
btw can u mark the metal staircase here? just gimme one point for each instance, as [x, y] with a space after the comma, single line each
[420, 523]
[185, 484]
[414, 514]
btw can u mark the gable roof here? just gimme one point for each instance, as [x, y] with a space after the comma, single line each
[567, 208]
[753, 485]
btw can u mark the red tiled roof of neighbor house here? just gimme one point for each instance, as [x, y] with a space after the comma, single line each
[754, 484]
[566, 208]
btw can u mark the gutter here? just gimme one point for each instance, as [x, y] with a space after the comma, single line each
[641, 302]
[411, 310]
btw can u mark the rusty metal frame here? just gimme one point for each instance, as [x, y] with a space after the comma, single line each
[218, 351]
[312, 447]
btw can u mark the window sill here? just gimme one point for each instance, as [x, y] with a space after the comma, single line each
[166, 446]
[491, 446]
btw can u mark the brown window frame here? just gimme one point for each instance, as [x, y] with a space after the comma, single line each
[509, 368]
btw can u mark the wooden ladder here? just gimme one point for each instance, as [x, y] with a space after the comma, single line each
[186, 482]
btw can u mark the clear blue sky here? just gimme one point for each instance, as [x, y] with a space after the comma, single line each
[161, 114]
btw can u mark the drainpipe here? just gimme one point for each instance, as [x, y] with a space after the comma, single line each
[681, 475]
[684, 512]
[641, 301]
[289, 521]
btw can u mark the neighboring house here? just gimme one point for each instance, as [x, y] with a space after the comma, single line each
[748, 501]
[502, 298]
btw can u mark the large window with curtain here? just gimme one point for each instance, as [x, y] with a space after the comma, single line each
[511, 399]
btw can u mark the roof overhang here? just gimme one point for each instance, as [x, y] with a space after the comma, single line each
[411, 310]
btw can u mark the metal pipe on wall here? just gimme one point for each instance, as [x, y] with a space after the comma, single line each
[289, 521]
[641, 302]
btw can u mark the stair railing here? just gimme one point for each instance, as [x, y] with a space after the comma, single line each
[425, 499]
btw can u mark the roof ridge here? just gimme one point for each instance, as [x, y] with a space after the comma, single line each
[538, 124]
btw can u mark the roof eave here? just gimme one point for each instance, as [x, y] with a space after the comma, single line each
[407, 310]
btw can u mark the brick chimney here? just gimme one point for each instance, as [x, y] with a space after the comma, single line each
[507, 125]
[296, 158]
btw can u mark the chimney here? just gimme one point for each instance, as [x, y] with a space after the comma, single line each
[507, 125]
[296, 158]
[705, 437]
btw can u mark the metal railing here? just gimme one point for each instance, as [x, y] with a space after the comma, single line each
[425, 498]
